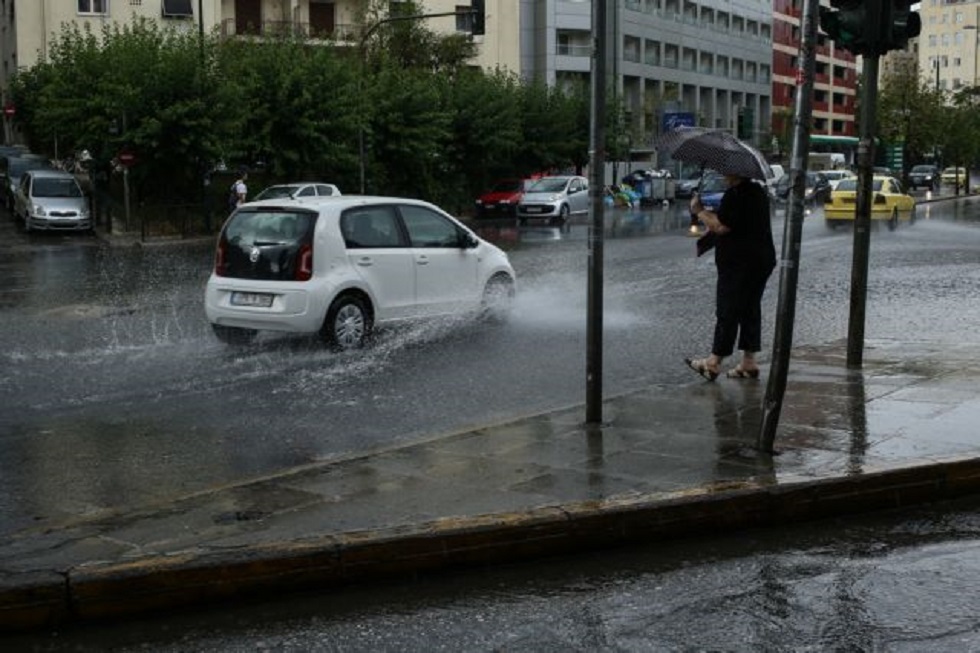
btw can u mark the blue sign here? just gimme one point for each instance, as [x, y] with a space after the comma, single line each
[674, 119]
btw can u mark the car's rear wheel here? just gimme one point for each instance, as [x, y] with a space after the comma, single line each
[348, 324]
[832, 224]
[498, 298]
[233, 335]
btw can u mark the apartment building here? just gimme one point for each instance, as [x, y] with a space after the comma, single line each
[835, 79]
[948, 42]
[704, 62]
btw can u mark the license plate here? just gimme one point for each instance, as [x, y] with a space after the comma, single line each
[259, 300]
[533, 209]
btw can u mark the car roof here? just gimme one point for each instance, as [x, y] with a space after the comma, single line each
[57, 174]
[341, 202]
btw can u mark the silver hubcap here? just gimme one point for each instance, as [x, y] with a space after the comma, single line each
[348, 326]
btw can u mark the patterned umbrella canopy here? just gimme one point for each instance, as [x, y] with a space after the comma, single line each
[715, 149]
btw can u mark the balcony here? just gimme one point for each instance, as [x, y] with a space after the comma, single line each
[570, 50]
[280, 28]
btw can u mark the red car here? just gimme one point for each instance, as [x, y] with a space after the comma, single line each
[501, 200]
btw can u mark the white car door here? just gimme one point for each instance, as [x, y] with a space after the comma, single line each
[578, 196]
[377, 250]
[446, 272]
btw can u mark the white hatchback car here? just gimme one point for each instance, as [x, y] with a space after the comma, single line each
[336, 266]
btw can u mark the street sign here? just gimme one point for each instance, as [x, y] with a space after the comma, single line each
[9, 110]
[126, 158]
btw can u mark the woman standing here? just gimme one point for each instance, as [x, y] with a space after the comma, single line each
[745, 257]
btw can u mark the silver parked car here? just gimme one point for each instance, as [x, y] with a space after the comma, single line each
[298, 191]
[554, 200]
[51, 200]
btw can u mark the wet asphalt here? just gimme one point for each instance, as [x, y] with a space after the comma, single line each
[666, 461]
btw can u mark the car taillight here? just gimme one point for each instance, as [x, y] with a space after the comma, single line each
[221, 259]
[304, 263]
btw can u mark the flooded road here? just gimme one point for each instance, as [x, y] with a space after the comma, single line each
[115, 394]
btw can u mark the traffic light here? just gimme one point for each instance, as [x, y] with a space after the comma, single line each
[898, 24]
[850, 24]
[479, 26]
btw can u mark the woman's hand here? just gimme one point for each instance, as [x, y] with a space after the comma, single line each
[696, 206]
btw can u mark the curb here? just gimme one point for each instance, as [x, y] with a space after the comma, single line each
[38, 600]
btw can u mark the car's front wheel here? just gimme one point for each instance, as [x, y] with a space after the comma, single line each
[498, 298]
[233, 335]
[348, 323]
[563, 216]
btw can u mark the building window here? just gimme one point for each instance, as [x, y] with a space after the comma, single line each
[177, 9]
[93, 6]
[464, 19]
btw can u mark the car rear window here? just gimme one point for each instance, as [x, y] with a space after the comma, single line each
[265, 243]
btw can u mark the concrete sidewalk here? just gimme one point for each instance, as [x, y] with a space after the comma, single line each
[669, 461]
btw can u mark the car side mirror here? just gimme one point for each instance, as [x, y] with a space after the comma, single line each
[467, 240]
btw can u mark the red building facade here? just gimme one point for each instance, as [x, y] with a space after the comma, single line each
[835, 83]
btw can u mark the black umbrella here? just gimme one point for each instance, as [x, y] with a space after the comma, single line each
[715, 149]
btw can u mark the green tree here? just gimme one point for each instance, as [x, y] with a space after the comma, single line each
[910, 109]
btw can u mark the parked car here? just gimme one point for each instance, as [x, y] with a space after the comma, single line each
[555, 200]
[684, 188]
[502, 198]
[924, 176]
[954, 176]
[338, 266]
[51, 200]
[711, 190]
[12, 167]
[889, 202]
[834, 177]
[302, 190]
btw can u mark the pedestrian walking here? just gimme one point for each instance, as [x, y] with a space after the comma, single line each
[239, 191]
[745, 256]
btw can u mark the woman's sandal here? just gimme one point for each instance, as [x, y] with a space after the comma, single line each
[700, 365]
[738, 372]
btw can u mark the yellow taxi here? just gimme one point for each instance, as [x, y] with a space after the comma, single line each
[954, 176]
[889, 202]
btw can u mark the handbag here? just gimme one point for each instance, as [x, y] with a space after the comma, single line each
[706, 242]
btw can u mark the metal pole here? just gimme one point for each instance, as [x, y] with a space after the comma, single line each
[597, 166]
[200, 27]
[792, 234]
[862, 217]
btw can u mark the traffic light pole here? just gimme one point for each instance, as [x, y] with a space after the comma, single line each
[862, 217]
[792, 234]
[597, 168]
